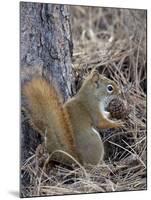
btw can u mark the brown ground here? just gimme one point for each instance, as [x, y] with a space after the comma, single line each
[114, 41]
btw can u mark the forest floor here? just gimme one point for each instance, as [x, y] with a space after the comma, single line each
[114, 41]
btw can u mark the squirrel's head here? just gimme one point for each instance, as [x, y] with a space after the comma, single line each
[100, 86]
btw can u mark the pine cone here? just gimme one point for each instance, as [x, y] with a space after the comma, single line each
[118, 109]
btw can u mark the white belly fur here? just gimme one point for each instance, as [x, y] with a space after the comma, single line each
[95, 131]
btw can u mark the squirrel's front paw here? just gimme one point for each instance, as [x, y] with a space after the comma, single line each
[108, 123]
[118, 123]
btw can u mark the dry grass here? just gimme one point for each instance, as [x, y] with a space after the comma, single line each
[126, 175]
[114, 41]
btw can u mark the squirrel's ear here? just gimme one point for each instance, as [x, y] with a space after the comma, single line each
[95, 77]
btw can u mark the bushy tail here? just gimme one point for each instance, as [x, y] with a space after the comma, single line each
[48, 115]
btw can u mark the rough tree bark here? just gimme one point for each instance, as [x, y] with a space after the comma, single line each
[46, 41]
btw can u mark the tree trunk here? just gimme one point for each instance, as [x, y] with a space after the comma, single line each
[46, 41]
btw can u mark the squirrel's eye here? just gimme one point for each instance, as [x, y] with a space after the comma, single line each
[110, 89]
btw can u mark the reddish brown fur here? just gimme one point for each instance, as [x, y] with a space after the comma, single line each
[69, 127]
[44, 104]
